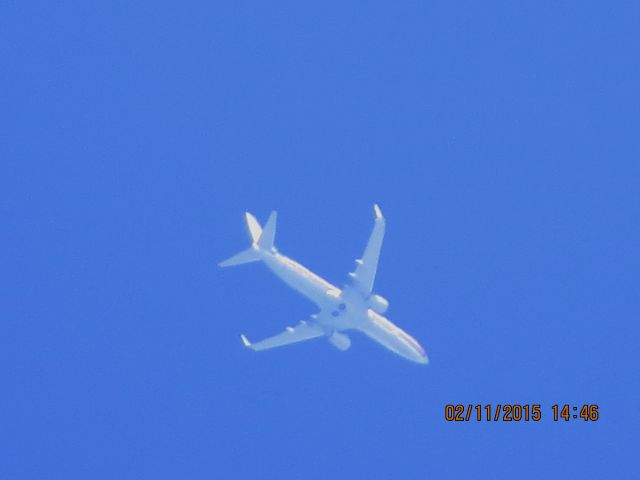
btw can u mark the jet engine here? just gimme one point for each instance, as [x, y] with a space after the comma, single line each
[340, 341]
[378, 303]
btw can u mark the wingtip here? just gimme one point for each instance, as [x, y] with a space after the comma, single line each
[377, 211]
[245, 341]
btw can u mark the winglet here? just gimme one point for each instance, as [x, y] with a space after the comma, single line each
[377, 210]
[245, 341]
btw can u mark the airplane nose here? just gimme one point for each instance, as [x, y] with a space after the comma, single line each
[421, 356]
[424, 359]
[416, 352]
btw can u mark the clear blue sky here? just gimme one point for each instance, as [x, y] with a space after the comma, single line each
[501, 141]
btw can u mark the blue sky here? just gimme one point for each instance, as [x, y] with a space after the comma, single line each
[501, 141]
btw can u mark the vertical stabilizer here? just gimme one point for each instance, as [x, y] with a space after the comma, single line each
[261, 241]
[255, 230]
[251, 254]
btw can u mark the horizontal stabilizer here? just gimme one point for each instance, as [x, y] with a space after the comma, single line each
[246, 256]
[268, 233]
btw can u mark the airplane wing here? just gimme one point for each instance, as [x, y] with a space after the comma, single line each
[366, 268]
[303, 331]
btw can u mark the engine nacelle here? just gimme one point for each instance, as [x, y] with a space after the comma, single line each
[378, 303]
[340, 341]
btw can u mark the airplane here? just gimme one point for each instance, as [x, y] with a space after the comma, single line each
[355, 307]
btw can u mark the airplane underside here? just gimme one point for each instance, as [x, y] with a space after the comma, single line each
[354, 307]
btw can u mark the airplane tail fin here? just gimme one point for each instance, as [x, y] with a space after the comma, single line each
[255, 230]
[261, 240]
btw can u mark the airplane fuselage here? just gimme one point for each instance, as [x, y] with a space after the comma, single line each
[344, 309]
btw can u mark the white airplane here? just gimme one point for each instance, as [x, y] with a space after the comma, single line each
[354, 307]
